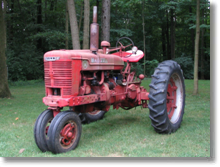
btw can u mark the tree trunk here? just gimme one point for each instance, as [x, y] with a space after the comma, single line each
[106, 20]
[67, 28]
[51, 5]
[39, 21]
[4, 89]
[10, 21]
[45, 11]
[73, 24]
[167, 37]
[97, 4]
[195, 91]
[192, 33]
[202, 47]
[172, 33]
[163, 34]
[86, 25]
[143, 22]
[80, 18]
[19, 6]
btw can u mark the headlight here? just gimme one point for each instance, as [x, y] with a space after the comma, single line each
[134, 49]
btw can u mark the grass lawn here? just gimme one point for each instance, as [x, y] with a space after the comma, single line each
[122, 133]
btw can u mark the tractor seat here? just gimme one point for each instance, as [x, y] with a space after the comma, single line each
[129, 56]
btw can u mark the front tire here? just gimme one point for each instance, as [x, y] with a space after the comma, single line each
[41, 128]
[64, 132]
[167, 97]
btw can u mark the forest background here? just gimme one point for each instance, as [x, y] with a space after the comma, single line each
[164, 29]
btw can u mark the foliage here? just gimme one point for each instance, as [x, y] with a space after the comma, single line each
[51, 37]
[149, 69]
[150, 66]
[37, 26]
[26, 65]
[137, 68]
[186, 64]
[28, 38]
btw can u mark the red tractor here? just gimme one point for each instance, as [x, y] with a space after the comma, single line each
[90, 81]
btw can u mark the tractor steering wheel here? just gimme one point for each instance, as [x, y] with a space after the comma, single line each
[123, 47]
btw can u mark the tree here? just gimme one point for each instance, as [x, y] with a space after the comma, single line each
[143, 24]
[172, 32]
[168, 36]
[73, 24]
[106, 20]
[67, 27]
[86, 25]
[192, 32]
[195, 91]
[41, 25]
[39, 22]
[81, 13]
[202, 47]
[4, 89]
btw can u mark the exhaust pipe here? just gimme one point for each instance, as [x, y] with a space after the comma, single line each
[94, 32]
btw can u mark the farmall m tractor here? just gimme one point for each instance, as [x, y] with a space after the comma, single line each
[90, 81]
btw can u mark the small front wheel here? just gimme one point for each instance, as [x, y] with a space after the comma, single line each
[41, 128]
[64, 132]
[167, 97]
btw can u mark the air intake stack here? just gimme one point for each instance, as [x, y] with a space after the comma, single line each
[94, 32]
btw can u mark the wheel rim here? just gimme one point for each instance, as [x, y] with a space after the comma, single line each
[174, 98]
[47, 127]
[95, 112]
[68, 134]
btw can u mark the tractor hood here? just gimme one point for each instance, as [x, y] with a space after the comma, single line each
[90, 61]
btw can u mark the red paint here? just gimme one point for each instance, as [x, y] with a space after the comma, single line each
[67, 134]
[171, 98]
[88, 79]
[105, 45]
[129, 56]
[67, 82]
[55, 112]
[141, 76]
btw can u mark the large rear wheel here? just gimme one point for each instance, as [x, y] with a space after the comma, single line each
[167, 97]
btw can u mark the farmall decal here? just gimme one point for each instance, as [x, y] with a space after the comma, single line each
[85, 63]
[51, 58]
[97, 60]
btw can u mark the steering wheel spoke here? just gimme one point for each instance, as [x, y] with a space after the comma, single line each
[122, 46]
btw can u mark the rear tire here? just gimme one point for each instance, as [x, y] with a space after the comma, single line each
[64, 132]
[91, 116]
[41, 128]
[167, 97]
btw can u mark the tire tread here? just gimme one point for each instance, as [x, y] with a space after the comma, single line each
[157, 97]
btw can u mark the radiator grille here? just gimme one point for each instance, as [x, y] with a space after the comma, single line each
[63, 73]
[61, 65]
[59, 74]
[62, 82]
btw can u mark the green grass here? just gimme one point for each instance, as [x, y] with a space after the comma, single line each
[122, 133]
